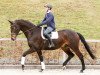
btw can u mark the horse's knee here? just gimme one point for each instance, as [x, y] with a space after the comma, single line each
[30, 43]
[27, 52]
[24, 54]
[41, 58]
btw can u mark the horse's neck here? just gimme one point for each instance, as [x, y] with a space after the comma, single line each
[25, 27]
[27, 32]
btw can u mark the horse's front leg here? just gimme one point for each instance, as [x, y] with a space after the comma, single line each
[41, 59]
[23, 57]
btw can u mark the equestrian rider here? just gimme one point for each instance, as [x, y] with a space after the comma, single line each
[49, 21]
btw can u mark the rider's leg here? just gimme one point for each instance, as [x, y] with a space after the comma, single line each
[46, 33]
[50, 41]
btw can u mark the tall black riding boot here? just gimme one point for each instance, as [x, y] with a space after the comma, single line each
[50, 41]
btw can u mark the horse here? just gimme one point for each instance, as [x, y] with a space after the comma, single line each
[68, 40]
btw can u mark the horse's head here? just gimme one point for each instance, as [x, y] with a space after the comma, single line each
[15, 28]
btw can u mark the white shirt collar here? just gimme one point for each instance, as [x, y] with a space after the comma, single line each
[48, 11]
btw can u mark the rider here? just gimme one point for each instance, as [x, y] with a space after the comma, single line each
[49, 21]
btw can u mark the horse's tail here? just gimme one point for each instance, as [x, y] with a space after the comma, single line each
[86, 45]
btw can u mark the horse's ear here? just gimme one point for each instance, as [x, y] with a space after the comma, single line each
[11, 22]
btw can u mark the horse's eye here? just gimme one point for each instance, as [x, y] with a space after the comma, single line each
[13, 27]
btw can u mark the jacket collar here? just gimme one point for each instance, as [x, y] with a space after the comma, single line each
[48, 11]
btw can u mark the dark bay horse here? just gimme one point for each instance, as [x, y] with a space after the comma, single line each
[67, 40]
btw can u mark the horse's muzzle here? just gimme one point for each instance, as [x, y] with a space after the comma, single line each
[13, 37]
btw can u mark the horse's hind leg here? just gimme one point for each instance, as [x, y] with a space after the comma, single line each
[23, 57]
[70, 55]
[79, 54]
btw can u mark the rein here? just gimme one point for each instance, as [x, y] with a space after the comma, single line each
[26, 31]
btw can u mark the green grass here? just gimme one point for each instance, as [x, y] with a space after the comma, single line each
[80, 15]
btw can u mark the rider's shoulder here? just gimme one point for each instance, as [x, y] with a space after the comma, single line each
[50, 13]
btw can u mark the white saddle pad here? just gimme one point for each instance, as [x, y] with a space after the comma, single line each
[54, 34]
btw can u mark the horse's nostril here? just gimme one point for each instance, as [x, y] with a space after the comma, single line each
[13, 38]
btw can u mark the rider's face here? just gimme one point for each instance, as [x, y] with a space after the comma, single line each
[46, 8]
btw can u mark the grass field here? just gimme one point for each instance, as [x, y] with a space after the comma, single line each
[80, 15]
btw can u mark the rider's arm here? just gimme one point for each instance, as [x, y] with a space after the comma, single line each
[44, 18]
[50, 17]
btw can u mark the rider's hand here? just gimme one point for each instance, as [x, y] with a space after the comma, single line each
[38, 25]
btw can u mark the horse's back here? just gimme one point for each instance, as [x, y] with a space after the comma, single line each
[67, 31]
[68, 34]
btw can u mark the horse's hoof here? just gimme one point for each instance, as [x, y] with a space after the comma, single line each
[41, 70]
[23, 67]
[64, 67]
[81, 71]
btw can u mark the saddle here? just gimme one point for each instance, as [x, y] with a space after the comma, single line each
[53, 34]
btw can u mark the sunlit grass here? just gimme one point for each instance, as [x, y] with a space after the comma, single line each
[80, 15]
